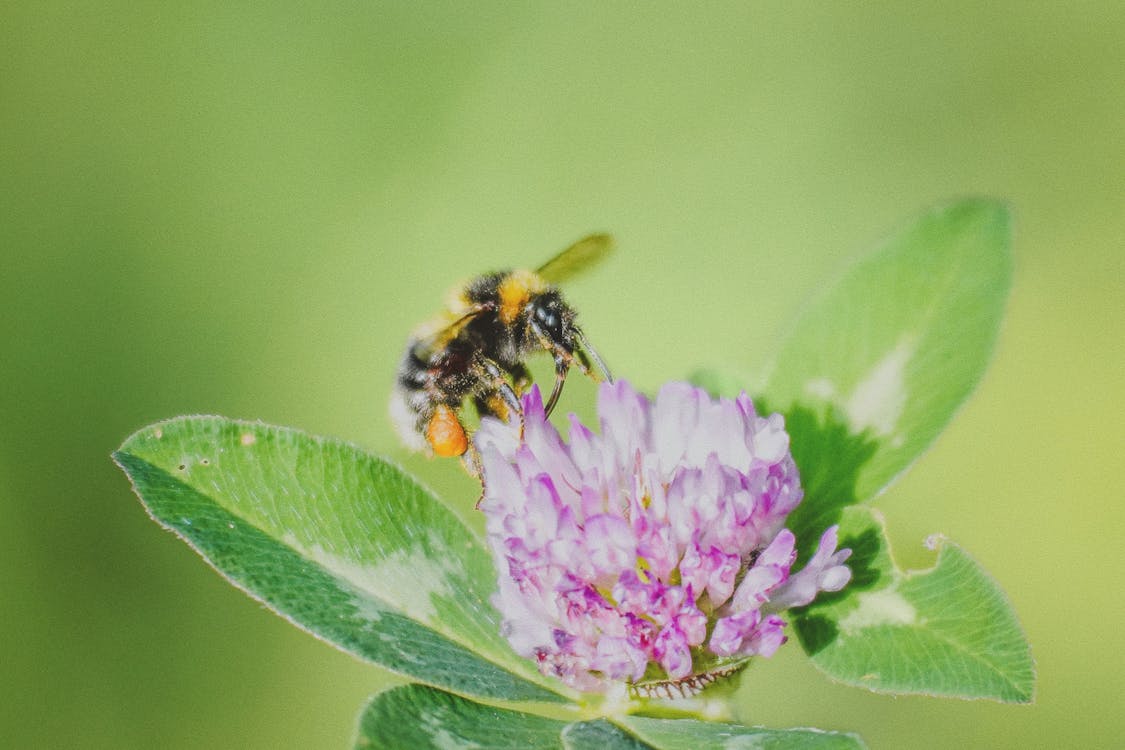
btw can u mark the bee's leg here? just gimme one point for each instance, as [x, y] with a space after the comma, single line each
[498, 397]
[493, 404]
[563, 359]
[562, 367]
[521, 378]
[493, 398]
[470, 460]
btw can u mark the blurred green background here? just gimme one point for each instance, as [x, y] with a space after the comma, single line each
[227, 209]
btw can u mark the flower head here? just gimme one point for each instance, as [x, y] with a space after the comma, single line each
[654, 551]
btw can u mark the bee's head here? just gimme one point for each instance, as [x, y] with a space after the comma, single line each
[552, 318]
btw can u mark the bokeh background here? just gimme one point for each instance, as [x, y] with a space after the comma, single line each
[224, 208]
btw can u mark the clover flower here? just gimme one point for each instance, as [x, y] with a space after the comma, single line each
[655, 553]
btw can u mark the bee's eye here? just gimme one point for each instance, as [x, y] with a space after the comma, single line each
[549, 320]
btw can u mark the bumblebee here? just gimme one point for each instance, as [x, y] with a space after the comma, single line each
[477, 349]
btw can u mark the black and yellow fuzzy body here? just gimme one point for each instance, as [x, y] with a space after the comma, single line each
[477, 350]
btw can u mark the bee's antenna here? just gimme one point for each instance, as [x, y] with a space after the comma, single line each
[586, 349]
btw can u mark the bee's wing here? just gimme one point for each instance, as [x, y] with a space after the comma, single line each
[436, 334]
[578, 257]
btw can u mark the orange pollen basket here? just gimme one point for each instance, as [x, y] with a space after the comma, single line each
[445, 433]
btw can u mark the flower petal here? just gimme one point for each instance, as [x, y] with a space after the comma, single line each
[628, 551]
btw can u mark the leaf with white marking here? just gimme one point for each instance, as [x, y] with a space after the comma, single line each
[946, 631]
[339, 542]
[413, 717]
[892, 350]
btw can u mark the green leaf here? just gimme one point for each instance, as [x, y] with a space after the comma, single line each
[830, 458]
[416, 717]
[947, 631]
[867, 379]
[889, 353]
[600, 735]
[339, 542]
[689, 734]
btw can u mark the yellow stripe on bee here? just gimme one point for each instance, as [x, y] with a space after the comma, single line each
[514, 292]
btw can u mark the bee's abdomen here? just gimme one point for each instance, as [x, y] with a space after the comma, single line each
[412, 373]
